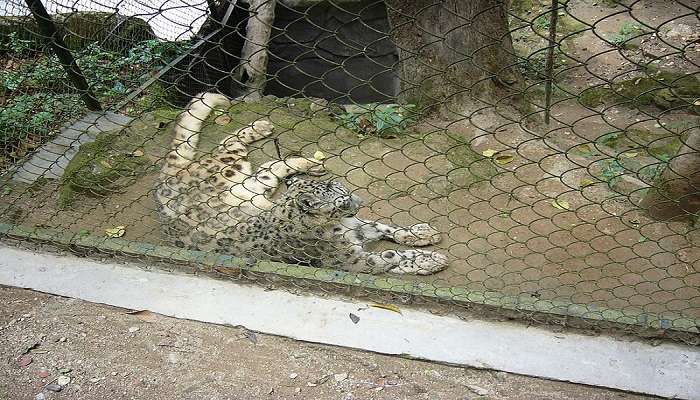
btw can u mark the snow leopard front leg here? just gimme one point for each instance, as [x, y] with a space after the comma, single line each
[418, 235]
[413, 261]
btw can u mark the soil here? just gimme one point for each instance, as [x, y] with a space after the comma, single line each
[108, 353]
[559, 220]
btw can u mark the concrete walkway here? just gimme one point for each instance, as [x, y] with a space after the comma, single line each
[669, 370]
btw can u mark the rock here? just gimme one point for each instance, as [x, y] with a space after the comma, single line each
[478, 390]
[340, 377]
[293, 375]
[53, 387]
[40, 396]
[681, 31]
[63, 380]
[133, 329]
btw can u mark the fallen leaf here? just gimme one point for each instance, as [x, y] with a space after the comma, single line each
[223, 119]
[43, 373]
[144, 315]
[585, 182]
[504, 159]
[389, 307]
[697, 103]
[25, 360]
[63, 380]
[489, 152]
[137, 153]
[106, 164]
[584, 149]
[64, 370]
[354, 318]
[319, 155]
[630, 154]
[116, 232]
[561, 204]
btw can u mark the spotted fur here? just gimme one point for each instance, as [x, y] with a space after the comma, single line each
[216, 202]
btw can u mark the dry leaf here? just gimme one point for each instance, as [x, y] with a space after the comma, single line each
[697, 103]
[137, 153]
[561, 204]
[489, 152]
[585, 182]
[223, 119]
[319, 155]
[116, 232]
[144, 315]
[630, 154]
[106, 164]
[504, 159]
[389, 307]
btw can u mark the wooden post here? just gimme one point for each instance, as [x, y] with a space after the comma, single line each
[254, 55]
[549, 68]
[75, 75]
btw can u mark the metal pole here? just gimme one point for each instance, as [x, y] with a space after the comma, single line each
[49, 31]
[549, 67]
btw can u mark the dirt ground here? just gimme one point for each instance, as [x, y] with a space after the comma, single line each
[108, 353]
[552, 223]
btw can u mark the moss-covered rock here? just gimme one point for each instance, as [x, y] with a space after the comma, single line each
[100, 168]
[112, 31]
[665, 90]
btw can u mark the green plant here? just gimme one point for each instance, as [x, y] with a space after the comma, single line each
[380, 120]
[13, 44]
[627, 32]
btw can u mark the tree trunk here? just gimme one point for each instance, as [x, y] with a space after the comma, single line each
[676, 194]
[254, 55]
[451, 50]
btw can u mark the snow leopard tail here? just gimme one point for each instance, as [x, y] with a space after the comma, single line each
[187, 129]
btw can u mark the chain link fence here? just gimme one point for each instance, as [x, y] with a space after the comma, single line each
[538, 159]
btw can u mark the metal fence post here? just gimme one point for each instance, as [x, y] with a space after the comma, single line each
[49, 31]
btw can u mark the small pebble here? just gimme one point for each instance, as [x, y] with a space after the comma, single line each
[40, 396]
[63, 380]
[340, 377]
[53, 387]
[297, 390]
[133, 329]
[293, 375]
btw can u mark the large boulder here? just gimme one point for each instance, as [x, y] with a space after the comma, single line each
[112, 31]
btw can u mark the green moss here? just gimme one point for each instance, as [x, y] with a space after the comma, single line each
[102, 167]
[662, 89]
[469, 167]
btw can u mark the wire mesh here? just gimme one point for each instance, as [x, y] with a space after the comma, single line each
[536, 157]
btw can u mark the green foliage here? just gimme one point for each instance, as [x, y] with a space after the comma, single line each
[34, 116]
[380, 120]
[627, 32]
[16, 46]
[40, 98]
